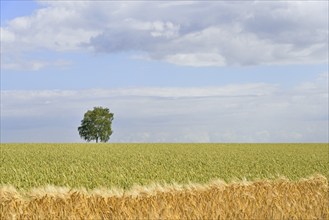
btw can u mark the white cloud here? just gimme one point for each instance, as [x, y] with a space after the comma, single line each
[44, 30]
[233, 113]
[185, 33]
[196, 59]
[33, 65]
[6, 36]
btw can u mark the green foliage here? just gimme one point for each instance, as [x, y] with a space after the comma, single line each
[96, 125]
[123, 165]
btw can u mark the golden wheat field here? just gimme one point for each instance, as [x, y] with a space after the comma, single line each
[164, 181]
[275, 199]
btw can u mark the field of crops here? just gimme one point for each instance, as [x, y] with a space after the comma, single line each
[167, 181]
[125, 165]
[279, 199]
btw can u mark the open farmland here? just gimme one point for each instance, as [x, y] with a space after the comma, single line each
[279, 199]
[167, 181]
[125, 165]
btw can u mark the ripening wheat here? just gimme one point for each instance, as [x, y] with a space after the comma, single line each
[279, 199]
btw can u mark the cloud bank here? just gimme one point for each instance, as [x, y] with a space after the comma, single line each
[233, 113]
[196, 33]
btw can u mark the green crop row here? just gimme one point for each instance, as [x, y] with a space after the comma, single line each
[124, 165]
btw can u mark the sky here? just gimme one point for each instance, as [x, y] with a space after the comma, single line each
[170, 71]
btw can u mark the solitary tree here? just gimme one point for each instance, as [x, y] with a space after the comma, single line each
[96, 125]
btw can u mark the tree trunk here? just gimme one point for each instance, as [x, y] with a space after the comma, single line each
[97, 140]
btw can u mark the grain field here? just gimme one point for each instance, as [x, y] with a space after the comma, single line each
[263, 199]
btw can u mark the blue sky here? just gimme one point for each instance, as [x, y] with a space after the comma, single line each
[170, 71]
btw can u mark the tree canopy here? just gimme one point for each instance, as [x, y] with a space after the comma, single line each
[96, 125]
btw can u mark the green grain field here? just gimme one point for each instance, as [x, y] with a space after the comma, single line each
[124, 165]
